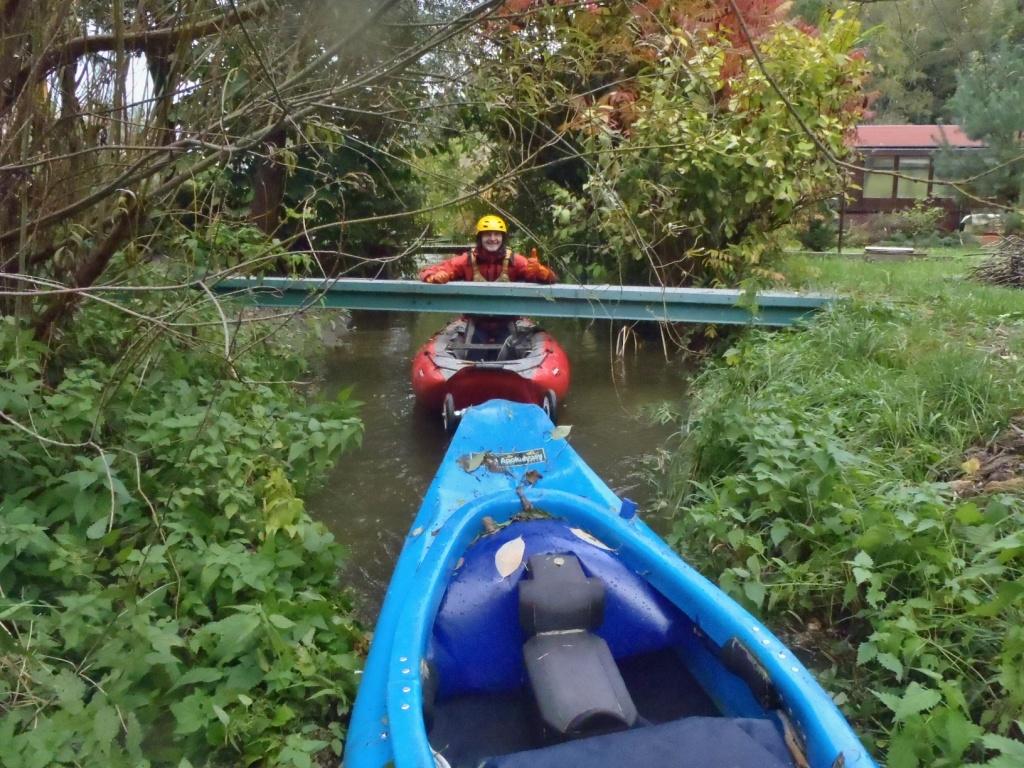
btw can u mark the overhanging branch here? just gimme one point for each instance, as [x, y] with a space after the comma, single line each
[137, 42]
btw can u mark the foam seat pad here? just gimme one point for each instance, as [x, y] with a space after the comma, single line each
[693, 742]
[576, 684]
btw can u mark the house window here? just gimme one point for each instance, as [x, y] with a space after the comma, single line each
[878, 184]
[916, 168]
[943, 190]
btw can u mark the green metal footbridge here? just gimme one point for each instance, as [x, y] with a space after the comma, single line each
[596, 302]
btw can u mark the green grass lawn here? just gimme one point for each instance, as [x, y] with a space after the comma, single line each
[938, 282]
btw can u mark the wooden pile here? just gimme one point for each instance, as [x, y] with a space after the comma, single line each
[1006, 264]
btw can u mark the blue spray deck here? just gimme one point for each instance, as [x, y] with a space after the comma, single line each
[504, 458]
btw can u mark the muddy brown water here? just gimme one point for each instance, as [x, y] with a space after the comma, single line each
[374, 492]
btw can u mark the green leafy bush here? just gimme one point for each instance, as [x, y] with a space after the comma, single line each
[166, 600]
[708, 187]
[819, 235]
[811, 480]
[667, 153]
[916, 223]
[1013, 223]
[858, 235]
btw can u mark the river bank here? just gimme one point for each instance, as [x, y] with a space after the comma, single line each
[820, 478]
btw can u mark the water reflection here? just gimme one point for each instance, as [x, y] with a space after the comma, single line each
[373, 494]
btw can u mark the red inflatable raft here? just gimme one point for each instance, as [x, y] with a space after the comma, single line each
[522, 362]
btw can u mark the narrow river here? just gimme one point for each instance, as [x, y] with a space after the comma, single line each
[373, 494]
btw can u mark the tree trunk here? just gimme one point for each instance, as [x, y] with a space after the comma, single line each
[89, 270]
[268, 181]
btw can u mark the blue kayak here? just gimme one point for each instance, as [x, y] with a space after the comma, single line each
[533, 619]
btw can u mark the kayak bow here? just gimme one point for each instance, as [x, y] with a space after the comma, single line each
[534, 620]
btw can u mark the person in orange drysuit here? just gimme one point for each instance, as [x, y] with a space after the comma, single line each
[490, 261]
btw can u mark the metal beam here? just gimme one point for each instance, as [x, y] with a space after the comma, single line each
[599, 302]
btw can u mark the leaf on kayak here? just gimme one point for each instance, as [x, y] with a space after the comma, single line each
[471, 461]
[579, 533]
[531, 477]
[562, 432]
[509, 556]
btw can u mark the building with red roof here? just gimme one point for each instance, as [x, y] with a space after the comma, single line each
[900, 169]
[928, 137]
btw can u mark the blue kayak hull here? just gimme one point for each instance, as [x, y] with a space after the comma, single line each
[449, 642]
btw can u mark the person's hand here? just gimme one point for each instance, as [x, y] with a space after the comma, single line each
[436, 277]
[538, 272]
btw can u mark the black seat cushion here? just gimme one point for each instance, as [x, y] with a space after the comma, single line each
[693, 742]
[576, 684]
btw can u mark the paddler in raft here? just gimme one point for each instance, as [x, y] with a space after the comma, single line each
[491, 261]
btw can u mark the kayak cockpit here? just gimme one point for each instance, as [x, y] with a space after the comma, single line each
[572, 659]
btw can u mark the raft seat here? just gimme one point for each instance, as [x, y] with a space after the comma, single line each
[475, 347]
[575, 682]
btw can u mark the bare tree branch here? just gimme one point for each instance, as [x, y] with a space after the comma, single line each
[138, 42]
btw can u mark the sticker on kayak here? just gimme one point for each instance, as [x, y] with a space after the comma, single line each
[522, 458]
[500, 462]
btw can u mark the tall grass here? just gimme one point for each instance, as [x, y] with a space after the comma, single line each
[811, 478]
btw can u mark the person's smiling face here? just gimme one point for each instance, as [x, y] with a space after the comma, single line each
[491, 241]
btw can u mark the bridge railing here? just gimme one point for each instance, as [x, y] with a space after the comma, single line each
[599, 302]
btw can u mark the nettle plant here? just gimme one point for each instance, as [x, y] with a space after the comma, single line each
[166, 600]
[809, 483]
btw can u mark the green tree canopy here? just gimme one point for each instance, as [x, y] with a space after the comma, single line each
[917, 47]
[987, 104]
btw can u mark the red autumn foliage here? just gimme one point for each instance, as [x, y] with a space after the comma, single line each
[741, 22]
[720, 17]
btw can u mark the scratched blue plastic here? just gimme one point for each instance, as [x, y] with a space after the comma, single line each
[387, 726]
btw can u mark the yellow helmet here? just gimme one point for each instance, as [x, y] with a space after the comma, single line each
[491, 224]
